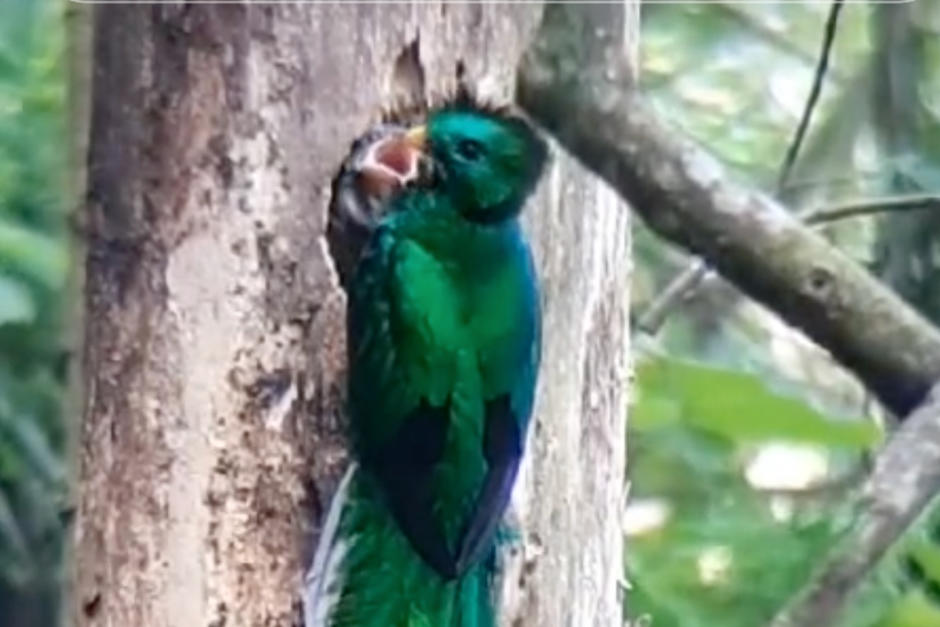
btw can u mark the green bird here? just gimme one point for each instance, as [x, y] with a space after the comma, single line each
[443, 344]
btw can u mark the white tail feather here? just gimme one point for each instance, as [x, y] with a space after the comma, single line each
[322, 583]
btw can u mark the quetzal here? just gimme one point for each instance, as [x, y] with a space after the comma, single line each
[443, 344]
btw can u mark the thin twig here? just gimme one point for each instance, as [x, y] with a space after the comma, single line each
[829, 37]
[914, 202]
[835, 181]
[654, 315]
[652, 320]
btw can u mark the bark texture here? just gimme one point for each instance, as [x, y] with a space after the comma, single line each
[211, 437]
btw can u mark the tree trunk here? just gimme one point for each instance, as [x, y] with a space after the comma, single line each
[211, 439]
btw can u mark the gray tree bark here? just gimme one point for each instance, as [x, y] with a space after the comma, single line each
[211, 436]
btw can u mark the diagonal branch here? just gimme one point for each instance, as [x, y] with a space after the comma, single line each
[654, 315]
[695, 272]
[574, 80]
[652, 318]
[905, 479]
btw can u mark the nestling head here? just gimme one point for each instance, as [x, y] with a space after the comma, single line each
[379, 165]
[383, 161]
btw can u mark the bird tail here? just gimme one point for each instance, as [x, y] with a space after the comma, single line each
[365, 573]
[476, 597]
[322, 582]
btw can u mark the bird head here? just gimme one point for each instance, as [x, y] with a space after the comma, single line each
[485, 160]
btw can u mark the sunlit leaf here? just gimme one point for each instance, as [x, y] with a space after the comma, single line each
[16, 302]
[34, 254]
[739, 406]
[913, 610]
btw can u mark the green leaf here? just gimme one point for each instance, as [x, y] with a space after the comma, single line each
[927, 555]
[655, 411]
[33, 447]
[737, 406]
[11, 536]
[913, 610]
[16, 302]
[38, 256]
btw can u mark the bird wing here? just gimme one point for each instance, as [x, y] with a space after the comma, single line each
[507, 413]
[413, 373]
[404, 334]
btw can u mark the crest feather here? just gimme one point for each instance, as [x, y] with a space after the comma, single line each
[463, 97]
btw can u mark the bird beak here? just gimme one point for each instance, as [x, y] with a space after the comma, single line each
[394, 162]
[417, 137]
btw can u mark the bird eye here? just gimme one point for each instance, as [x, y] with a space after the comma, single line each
[470, 149]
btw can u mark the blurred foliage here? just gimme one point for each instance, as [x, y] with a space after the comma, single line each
[746, 442]
[674, 391]
[33, 263]
[695, 433]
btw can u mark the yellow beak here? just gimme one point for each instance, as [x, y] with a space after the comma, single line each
[417, 137]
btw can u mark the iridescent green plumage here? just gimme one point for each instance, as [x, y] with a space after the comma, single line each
[443, 351]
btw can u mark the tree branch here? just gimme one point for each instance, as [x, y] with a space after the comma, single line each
[690, 278]
[574, 80]
[679, 287]
[906, 477]
[651, 320]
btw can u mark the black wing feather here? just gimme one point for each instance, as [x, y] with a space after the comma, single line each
[404, 467]
[502, 449]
